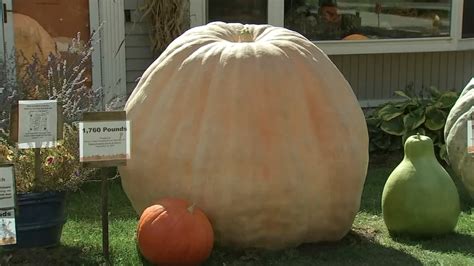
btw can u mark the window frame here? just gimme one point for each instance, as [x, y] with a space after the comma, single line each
[455, 42]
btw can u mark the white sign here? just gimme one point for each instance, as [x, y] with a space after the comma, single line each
[38, 124]
[104, 141]
[470, 135]
[7, 227]
[7, 205]
[7, 187]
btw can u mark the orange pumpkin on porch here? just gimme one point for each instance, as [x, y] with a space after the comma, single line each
[258, 127]
[175, 232]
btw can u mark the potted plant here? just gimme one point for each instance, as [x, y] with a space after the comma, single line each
[40, 213]
[40, 201]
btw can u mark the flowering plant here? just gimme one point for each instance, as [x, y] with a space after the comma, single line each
[64, 77]
[61, 169]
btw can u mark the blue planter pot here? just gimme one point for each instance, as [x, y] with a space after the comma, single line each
[40, 218]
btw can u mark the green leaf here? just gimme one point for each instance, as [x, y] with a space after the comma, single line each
[395, 144]
[443, 154]
[402, 94]
[382, 142]
[447, 99]
[435, 93]
[389, 112]
[435, 135]
[373, 121]
[405, 104]
[414, 119]
[435, 118]
[394, 126]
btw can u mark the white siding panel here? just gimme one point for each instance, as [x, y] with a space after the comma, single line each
[443, 70]
[132, 40]
[374, 78]
[361, 81]
[468, 59]
[132, 4]
[133, 76]
[369, 79]
[435, 70]
[137, 44]
[402, 71]
[418, 70]
[138, 64]
[141, 28]
[139, 52]
[458, 81]
[113, 48]
[378, 80]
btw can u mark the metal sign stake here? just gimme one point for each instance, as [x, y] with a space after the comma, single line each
[105, 215]
[104, 165]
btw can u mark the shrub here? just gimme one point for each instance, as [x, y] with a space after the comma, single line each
[390, 124]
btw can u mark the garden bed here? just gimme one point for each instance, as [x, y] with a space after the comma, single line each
[367, 244]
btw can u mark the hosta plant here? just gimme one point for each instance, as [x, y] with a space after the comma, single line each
[392, 123]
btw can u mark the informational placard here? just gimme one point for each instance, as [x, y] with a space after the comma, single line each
[7, 227]
[7, 187]
[7, 205]
[38, 124]
[105, 140]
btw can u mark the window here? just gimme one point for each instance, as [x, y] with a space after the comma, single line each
[384, 26]
[368, 19]
[468, 19]
[242, 11]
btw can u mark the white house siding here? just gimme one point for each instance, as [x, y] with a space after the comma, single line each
[373, 77]
[137, 44]
[112, 49]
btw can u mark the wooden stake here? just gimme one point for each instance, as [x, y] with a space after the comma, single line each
[105, 215]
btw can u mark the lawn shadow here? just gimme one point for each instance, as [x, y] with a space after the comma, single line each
[466, 201]
[454, 242]
[60, 255]
[359, 247]
[356, 248]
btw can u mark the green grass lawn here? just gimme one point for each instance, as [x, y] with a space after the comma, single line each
[367, 244]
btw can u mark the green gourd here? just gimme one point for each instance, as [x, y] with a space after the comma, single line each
[419, 197]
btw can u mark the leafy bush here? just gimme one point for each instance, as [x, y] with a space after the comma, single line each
[392, 123]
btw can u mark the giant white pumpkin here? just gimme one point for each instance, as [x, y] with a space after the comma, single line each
[455, 134]
[255, 125]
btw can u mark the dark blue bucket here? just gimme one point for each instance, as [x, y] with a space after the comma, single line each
[39, 219]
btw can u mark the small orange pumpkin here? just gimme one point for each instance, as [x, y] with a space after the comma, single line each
[174, 232]
[355, 37]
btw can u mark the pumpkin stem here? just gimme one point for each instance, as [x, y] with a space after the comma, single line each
[418, 135]
[245, 35]
[191, 208]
